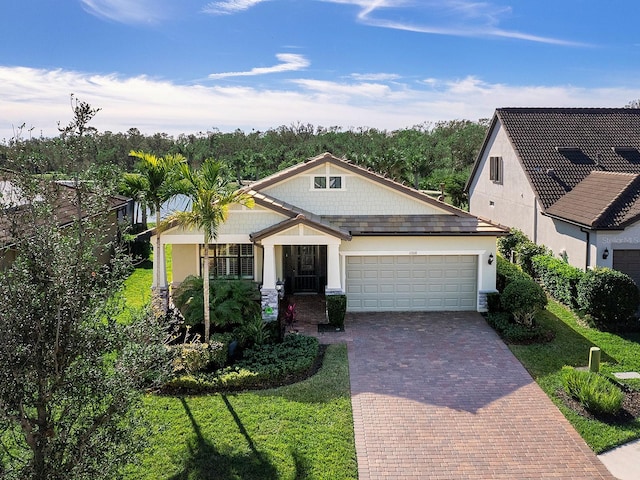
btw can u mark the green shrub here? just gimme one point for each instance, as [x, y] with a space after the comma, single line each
[525, 251]
[263, 366]
[232, 302]
[593, 391]
[523, 298]
[608, 296]
[509, 330]
[493, 302]
[506, 272]
[558, 278]
[336, 309]
[507, 245]
[219, 349]
[254, 332]
[191, 357]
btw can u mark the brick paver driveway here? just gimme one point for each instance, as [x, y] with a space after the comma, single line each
[439, 396]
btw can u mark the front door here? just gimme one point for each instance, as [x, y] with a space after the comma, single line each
[305, 268]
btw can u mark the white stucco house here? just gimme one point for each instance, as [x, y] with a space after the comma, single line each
[569, 178]
[329, 226]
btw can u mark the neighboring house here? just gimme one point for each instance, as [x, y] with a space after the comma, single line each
[569, 178]
[329, 226]
[11, 200]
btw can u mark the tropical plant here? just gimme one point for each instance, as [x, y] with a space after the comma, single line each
[210, 195]
[156, 179]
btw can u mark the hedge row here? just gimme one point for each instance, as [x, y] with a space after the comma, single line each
[607, 298]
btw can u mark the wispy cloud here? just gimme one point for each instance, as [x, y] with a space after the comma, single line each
[40, 98]
[128, 11]
[462, 18]
[227, 7]
[289, 62]
[375, 77]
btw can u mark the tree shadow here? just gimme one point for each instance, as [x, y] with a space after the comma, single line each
[204, 461]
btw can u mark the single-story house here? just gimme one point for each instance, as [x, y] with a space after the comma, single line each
[569, 178]
[329, 226]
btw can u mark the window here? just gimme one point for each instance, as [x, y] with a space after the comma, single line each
[229, 260]
[321, 182]
[495, 169]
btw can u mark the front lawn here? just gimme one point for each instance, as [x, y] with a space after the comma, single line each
[301, 431]
[620, 353]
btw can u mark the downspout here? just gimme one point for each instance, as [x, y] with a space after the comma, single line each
[535, 220]
[588, 252]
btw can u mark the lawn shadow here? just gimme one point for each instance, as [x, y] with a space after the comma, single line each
[569, 347]
[204, 461]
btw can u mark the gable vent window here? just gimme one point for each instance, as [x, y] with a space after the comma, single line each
[327, 181]
[495, 169]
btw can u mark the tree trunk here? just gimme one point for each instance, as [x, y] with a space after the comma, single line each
[158, 254]
[205, 287]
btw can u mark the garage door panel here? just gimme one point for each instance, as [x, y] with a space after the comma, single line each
[411, 282]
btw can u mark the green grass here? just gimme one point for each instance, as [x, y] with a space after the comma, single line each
[137, 287]
[571, 347]
[301, 431]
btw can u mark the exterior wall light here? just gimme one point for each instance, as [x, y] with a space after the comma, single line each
[605, 254]
[490, 258]
[280, 288]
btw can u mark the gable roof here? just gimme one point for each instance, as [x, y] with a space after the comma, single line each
[326, 157]
[603, 200]
[560, 147]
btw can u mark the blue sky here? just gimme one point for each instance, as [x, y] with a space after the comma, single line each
[189, 66]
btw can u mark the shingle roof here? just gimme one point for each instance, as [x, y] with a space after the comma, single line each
[560, 147]
[362, 225]
[603, 200]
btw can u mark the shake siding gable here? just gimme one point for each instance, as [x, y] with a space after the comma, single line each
[359, 196]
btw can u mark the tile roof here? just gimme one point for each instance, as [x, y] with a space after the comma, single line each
[603, 200]
[560, 147]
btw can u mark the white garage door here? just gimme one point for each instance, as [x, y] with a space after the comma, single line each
[411, 283]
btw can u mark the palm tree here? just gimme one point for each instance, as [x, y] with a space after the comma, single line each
[210, 195]
[157, 179]
[132, 185]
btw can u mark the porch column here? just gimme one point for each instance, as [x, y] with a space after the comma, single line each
[159, 265]
[333, 269]
[269, 293]
[269, 272]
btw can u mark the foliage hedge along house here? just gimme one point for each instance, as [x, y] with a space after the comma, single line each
[329, 226]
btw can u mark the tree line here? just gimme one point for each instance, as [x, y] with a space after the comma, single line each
[423, 156]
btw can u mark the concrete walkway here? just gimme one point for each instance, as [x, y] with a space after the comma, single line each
[439, 396]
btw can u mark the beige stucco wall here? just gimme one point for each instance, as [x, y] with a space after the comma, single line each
[627, 239]
[514, 203]
[184, 262]
[359, 196]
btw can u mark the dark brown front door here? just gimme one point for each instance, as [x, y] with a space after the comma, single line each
[305, 267]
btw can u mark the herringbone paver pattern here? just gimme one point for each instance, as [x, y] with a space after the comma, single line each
[439, 396]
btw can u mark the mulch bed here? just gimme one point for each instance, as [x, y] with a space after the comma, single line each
[628, 413]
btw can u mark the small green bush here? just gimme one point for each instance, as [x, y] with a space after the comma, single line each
[493, 302]
[608, 296]
[525, 251]
[336, 309]
[523, 298]
[593, 391]
[509, 330]
[506, 272]
[558, 278]
[219, 349]
[191, 357]
[231, 302]
[508, 245]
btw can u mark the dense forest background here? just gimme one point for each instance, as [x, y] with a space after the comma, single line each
[424, 156]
